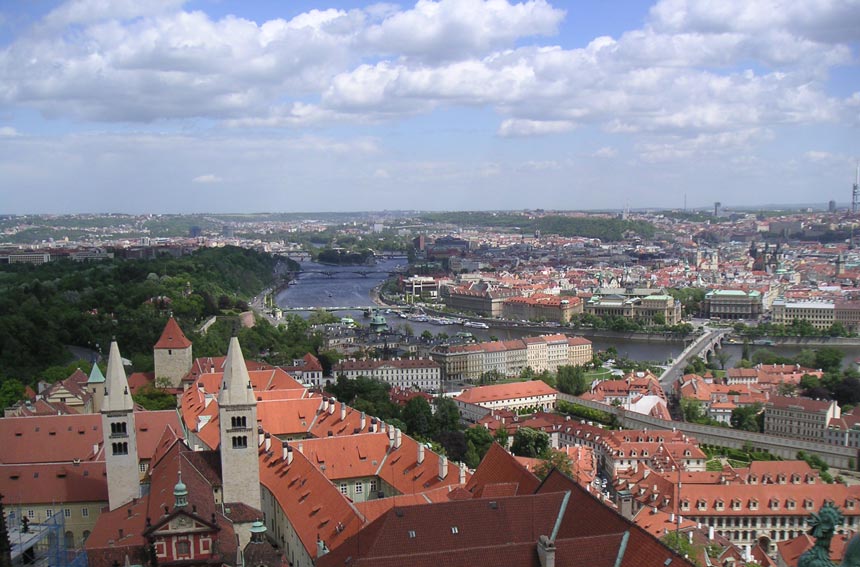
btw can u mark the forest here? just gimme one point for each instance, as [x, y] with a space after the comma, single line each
[44, 309]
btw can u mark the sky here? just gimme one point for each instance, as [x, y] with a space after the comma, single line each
[174, 106]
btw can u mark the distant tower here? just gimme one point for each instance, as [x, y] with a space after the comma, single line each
[855, 193]
[120, 435]
[172, 353]
[831, 206]
[237, 412]
[840, 264]
[96, 386]
[717, 208]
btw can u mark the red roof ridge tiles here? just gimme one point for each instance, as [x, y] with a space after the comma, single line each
[172, 337]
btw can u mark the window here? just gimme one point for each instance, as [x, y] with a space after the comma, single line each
[49, 513]
[142, 467]
[119, 448]
[373, 485]
[411, 534]
[31, 513]
[183, 548]
[118, 429]
[85, 512]
[343, 488]
[240, 442]
[359, 487]
[237, 422]
[67, 512]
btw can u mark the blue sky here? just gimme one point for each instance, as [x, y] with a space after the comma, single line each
[226, 105]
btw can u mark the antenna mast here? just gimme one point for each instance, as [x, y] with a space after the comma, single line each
[855, 193]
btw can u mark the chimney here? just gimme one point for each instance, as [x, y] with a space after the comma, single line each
[260, 436]
[420, 451]
[363, 422]
[398, 439]
[373, 425]
[325, 404]
[284, 450]
[546, 551]
[268, 441]
[462, 478]
[331, 406]
[672, 518]
[443, 467]
[95, 448]
[342, 411]
[710, 533]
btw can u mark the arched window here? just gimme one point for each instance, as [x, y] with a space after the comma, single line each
[86, 535]
[69, 540]
[240, 442]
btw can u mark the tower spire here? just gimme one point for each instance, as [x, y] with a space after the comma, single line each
[236, 385]
[118, 396]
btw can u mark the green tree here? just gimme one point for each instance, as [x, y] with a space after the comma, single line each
[501, 436]
[154, 399]
[829, 359]
[11, 391]
[426, 336]
[572, 380]
[530, 442]
[481, 439]
[746, 418]
[527, 374]
[418, 417]
[556, 460]
[447, 416]
[322, 317]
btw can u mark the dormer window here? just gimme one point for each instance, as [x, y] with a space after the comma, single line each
[808, 503]
[685, 505]
[774, 504]
[736, 504]
[849, 504]
[780, 478]
[701, 505]
[790, 504]
[795, 478]
[753, 504]
[719, 505]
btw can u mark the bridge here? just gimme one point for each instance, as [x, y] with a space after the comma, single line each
[705, 345]
[348, 273]
[346, 308]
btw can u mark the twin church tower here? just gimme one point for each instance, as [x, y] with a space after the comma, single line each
[237, 413]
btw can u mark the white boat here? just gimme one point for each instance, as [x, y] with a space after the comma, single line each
[476, 325]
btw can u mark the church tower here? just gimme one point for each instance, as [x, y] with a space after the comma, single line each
[237, 413]
[120, 434]
[96, 386]
[172, 353]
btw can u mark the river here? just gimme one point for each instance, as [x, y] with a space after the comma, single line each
[345, 287]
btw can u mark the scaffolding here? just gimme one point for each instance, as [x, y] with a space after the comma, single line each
[42, 544]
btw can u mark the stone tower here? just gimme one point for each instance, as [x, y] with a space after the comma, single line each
[96, 386]
[172, 354]
[237, 412]
[120, 434]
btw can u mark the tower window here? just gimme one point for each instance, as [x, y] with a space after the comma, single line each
[118, 429]
[119, 448]
[237, 422]
[240, 442]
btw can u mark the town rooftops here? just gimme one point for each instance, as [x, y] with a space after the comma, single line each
[172, 337]
[501, 392]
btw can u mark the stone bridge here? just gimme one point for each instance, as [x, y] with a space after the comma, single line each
[703, 346]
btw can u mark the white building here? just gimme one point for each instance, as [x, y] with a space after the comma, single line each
[421, 373]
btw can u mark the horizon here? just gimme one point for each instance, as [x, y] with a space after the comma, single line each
[222, 105]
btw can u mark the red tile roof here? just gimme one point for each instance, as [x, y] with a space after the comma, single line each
[172, 337]
[512, 391]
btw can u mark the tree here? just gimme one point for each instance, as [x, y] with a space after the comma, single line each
[829, 359]
[154, 399]
[723, 357]
[530, 442]
[11, 391]
[418, 417]
[693, 410]
[527, 374]
[454, 443]
[447, 416]
[572, 380]
[426, 336]
[480, 438]
[806, 358]
[746, 353]
[746, 417]
[501, 436]
[556, 460]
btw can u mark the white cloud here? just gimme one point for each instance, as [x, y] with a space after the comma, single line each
[381, 173]
[207, 179]
[8, 132]
[516, 127]
[605, 152]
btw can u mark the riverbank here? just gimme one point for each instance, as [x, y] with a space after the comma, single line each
[811, 342]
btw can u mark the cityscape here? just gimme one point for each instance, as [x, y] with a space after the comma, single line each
[436, 282]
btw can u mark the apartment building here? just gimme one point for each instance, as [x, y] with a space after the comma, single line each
[415, 373]
[800, 418]
[821, 314]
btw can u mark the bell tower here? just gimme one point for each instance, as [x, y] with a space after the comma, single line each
[237, 413]
[120, 434]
